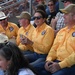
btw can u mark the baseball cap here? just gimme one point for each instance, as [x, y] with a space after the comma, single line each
[25, 15]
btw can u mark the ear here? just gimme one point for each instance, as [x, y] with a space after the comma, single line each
[44, 20]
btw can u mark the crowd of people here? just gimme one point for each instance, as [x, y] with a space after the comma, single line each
[44, 47]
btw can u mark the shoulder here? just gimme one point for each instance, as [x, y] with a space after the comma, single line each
[49, 28]
[62, 30]
[25, 72]
[12, 24]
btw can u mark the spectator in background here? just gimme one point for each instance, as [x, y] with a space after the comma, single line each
[56, 7]
[25, 30]
[24, 6]
[51, 6]
[40, 7]
[12, 61]
[8, 28]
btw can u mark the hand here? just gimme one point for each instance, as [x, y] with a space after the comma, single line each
[53, 23]
[25, 40]
[47, 64]
[54, 67]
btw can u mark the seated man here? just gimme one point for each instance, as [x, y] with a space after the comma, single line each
[25, 30]
[8, 28]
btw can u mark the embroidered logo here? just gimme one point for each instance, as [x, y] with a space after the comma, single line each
[73, 34]
[43, 32]
[11, 29]
[26, 33]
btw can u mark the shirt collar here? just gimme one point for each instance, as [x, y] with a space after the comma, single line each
[41, 27]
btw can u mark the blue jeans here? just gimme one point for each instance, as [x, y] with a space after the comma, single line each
[27, 52]
[65, 71]
[34, 56]
[37, 61]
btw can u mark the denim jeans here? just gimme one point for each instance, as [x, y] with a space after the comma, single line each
[65, 71]
[34, 56]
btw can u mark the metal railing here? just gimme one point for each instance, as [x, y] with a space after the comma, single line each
[6, 6]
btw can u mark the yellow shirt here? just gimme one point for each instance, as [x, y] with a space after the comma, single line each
[63, 48]
[43, 37]
[28, 33]
[11, 30]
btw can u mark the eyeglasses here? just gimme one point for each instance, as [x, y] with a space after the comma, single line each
[50, 4]
[37, 17]
[3, 19]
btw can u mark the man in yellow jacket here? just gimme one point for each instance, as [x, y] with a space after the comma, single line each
[7, 28]
[25, 30]
[61, 58]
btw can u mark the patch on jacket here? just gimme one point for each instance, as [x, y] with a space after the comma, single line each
[73, 34]
[26, 33]
[43, 32]
[11, 29]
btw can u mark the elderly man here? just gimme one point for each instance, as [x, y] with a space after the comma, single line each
[61, 58]
[25, 30]
[7, 28]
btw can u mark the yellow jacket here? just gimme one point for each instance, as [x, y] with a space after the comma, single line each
[63, 48]
[43, 37]
[10, 31]
[28, 33]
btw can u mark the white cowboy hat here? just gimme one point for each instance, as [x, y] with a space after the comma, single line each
[3, 38]
[2, 15]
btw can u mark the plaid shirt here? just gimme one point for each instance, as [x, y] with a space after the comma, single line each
[60, 23]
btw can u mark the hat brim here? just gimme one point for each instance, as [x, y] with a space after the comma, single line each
[63, 11]
[3, 17]
[18, 17]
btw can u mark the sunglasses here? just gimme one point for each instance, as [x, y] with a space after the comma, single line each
[3, 19]
[50, 4]
[37, 17]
